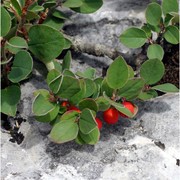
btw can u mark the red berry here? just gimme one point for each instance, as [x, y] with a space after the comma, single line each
[74, 108]
[111, 116]
[129, 106]
[99, 123]
[65, 103]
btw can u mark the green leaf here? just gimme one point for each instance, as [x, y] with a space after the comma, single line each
[132, 89]
[64, 131]
[153, 14]
[69, 87]
[169, 6]
[67, 61]
[9, 100]
[35, 8]
[152, 71]
[70, 115]
[172, 34]
[78, 96]
[167, 87]
[42, 106]
[176, 17]
[90, 87]
[105, 88]
[117, 73]
[67, 43]
[130, 72]
[55, 84]
[72, 3]
[156, 28]
[168, 19]
[49, 4]
[22, 67]
[88, 73]
[133, 37]
[102, 103]
[98, 83]
[155, 51]
[45, 42]
[43, 92]
[52, 75]
[89, 6]
[88, 103]
[147, 30]
[59, 14]
[87, 121]
[31, 16]
[91, 138]
[5, 22]
[17, 6]
[79, 140]
[15, 44]
[148, 95]
[67, 72]
[54, 22]
[119, 107]
[49, 116]
[57, 65]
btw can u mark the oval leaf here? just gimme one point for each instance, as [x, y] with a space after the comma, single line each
[22, 67]
[88, 103]
[131, 89]
[69, 87]
[17, 6]
[64, 131]
[166, 88]
[15, 44]
[89, 6]
[153, 14]
[152, 71]
[90, 87]
[117, 73]
[91, 138]
[45, 42]
[67, 61]
[87, 121]
[49, 116]
[133, 37]
[9, 100]
[155, 51]
[148, 95]
[42, 106]
[72, 3]
[172, 34]
[5, 22]
[169, 6]
[102, 103]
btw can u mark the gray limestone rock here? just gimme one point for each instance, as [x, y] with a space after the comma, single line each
[146, 147]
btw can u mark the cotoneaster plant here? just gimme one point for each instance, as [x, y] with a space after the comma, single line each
[72, 102]
[31, 29]
[161, 27]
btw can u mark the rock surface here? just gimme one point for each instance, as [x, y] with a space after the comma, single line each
[146, 147]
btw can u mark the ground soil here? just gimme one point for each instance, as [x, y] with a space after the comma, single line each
[171, 62]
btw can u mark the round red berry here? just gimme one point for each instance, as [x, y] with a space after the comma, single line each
[129, 106]
[111, 116]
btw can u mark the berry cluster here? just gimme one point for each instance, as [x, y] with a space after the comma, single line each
[110, 116]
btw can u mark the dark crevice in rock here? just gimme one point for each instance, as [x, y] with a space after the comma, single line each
[11, 126]
[160, 145]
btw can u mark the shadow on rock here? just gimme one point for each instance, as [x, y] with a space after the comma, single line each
[152, 107]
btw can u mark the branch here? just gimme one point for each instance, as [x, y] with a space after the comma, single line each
[94, 49]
